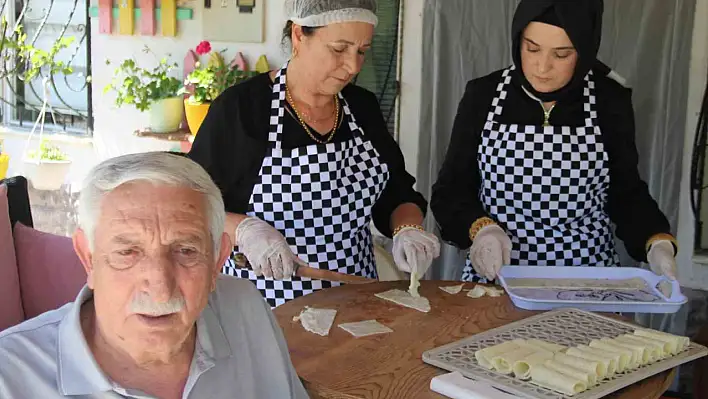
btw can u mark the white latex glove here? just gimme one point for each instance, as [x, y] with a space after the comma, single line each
[265, 248]
[414, 250]
[491, 249]
[661, 259]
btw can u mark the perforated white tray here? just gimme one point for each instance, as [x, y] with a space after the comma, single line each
[568, 327]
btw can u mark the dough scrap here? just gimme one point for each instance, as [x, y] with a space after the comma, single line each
[365, 328]
[452, 289]
[493, 291]
[404, 298]
[316, 321]
[477, 292]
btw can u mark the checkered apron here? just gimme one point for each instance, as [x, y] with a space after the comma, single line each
[319, 197]
[547, 187]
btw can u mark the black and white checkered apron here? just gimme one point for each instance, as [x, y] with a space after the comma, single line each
[319, 197]
[547, 187]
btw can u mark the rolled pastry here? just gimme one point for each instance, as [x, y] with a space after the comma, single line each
[658, 348]
[640, 356]
[678, 342]
[628, 359]
[589, 379]
[547, 378]
[667, 348]
[620, 363]
[505, 362]
[646, 354]
[589, 366]
[522, 368]
[609, 362]
[539, 345]
[484, 356]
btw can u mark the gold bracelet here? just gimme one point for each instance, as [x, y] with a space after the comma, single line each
[662, 237]
[478, 225]
[403, 226]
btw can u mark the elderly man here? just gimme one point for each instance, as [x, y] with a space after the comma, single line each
[156, 319]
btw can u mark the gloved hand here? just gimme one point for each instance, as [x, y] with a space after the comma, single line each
[661, 259]
[414, 250]
[491, 249]
[265, 248]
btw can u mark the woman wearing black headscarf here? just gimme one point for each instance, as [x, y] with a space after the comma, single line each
[542, 158]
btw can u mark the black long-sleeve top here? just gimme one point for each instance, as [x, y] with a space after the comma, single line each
[233, 141]
[455, 201]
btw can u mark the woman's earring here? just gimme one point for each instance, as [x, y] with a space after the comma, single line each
[294, 52]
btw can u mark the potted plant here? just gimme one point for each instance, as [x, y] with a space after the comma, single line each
[206, 82]
[150, 90]
[47, 166]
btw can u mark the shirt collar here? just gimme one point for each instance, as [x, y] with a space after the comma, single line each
[77, 370]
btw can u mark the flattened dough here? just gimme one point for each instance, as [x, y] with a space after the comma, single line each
[493, 291]
[404, 298]
[365, 328]
[577, 283]
[477, 292]
[452, 289]
[317, 321]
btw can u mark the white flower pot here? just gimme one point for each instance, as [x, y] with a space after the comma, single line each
[46, 175]
[166, 115]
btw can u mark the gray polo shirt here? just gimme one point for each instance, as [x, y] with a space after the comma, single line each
[240, 352]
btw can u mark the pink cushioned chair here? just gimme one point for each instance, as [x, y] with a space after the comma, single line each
[38, 271]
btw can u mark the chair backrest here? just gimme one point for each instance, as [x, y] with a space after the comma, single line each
[10, 299]
[18, 200]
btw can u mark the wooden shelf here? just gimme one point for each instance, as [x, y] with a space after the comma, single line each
[182, 136]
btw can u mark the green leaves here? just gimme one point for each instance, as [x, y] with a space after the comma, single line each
[47, 152]
[30, 61]
[205, 84]
[141, 87]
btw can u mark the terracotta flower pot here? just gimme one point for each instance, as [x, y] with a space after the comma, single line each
[195, 114]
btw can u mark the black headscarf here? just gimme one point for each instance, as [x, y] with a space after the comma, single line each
[581, 20]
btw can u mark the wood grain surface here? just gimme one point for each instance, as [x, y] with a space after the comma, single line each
[391, 365]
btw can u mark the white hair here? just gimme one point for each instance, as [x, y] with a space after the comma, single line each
[159, 168]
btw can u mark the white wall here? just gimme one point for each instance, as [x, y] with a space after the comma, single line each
[411, 75]
[693, 274]
[113, 128]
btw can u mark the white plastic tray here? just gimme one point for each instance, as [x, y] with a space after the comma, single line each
[531, 302]
[567, 327]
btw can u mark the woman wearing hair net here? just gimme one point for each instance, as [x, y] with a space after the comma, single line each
[542, 158]
[305, 161]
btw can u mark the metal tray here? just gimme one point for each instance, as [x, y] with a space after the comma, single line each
[567, 327]
[592, 300]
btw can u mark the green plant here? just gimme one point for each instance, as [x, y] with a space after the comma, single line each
[27, 61]
[206, 83]
[142, 87]
[47, 152]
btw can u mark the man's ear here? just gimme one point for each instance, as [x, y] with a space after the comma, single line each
[82, 249]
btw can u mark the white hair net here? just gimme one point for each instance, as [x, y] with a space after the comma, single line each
[315, 13]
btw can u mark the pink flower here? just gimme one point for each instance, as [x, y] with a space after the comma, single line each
[203, 47]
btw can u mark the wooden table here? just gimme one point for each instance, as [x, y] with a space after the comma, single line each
[391, 365]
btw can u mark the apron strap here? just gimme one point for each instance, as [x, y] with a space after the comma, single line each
[277, 107]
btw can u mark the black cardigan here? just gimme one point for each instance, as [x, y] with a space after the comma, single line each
[455, 200]
[233, 140]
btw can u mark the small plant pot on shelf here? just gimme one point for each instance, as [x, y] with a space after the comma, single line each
[4, 165]
[45, 174]
[165, 116]
[195, 115]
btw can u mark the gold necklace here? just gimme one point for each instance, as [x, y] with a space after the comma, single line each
[304, 125]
